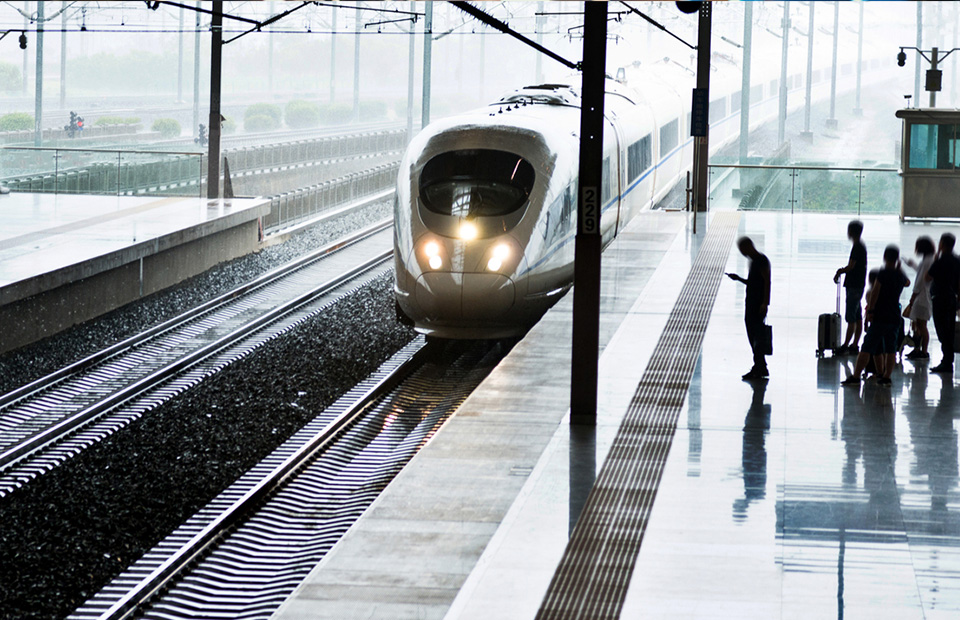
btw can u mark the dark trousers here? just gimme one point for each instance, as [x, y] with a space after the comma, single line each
[754, 323]
[945, 320]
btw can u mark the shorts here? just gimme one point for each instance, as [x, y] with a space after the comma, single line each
[880, 338]
[853, 312]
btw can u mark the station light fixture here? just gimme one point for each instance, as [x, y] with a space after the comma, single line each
[902, 57]
[23, 40]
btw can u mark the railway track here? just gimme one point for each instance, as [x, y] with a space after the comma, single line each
[49, 421]
[243, 554]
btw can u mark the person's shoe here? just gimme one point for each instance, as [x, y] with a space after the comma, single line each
[913, 355]
[923, 355]
[851, 380]
[841, 350]
[943, 367]
[884, 381]
[852, 350]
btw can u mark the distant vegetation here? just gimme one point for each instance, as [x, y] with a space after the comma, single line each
[16, 121]
[10, 78]
[335, 113]
[168, 127]
[117, 120]
[229, 126]
[262, 117]
[301, 114]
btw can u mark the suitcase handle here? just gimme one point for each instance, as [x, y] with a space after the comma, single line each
[838, 298]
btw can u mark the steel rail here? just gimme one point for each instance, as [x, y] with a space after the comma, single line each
[141, 593]
[71, 423]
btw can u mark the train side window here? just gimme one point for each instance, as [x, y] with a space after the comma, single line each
[756, 93]
[638, 157]
[605, 188]
[718, 109]
[735, 101]
[668, 137]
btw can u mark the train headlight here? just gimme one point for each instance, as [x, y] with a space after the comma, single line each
[468, 231]
[432, 251]
[500, 253]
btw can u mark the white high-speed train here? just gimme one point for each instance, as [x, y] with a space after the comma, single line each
[485, 212]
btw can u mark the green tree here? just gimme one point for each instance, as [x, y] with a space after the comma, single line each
[16, 121]
[10, 78]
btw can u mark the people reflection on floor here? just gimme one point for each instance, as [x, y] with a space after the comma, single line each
[944, 274]
[869, 434]
[755, 306]
[754, 458]
[934, 439]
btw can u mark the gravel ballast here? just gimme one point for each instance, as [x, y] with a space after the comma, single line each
[65, 535]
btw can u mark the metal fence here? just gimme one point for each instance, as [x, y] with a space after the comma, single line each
[96, 171]
[806, 189]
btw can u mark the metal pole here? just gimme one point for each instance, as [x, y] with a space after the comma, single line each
[427, 61]
[701, 144]
[934, 61]
[916, 79]
[180, 59]
[539, 61]
[782, 124]
[63, 55]
[806, 133]
[356, 72]
[270, 54]
[333, 55]
[483, 63]
[832, 121]
[38, 70]
[745, 81]
[411, 78]
[216, 53]
[858, 110]
[26, 52]
[196, 74]
[586, 282]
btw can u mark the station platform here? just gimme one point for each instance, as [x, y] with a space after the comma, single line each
[697, 494]
[68, 258]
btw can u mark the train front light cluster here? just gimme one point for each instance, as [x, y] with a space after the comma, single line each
[468, 231]
[500, 253]
[432, 251]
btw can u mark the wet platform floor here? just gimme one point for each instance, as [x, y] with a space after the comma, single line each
[790, 498]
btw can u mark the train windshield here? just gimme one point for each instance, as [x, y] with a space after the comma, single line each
[476, 183]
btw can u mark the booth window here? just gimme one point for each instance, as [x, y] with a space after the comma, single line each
[934, 146]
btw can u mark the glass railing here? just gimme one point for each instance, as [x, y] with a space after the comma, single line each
[94, 171]
[805, 189]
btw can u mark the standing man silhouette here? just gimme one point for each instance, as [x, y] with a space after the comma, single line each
[755, 306]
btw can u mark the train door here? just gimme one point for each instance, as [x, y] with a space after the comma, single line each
[612, 177]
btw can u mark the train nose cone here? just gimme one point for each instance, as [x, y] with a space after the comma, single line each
[483, 296]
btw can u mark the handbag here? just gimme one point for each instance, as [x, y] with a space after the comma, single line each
[906, 311]
[766, 340]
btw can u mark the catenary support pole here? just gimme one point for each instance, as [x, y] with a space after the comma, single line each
[356, 70]
[832, 121]
[270, 54]
[180, 58]
[216, 53]
[196, 73]
[916, 78]
[782, 108]
[26, 52]
[538, 79]
[745, 81]
[38, 72]
[857, 109]
[934, 66]
[63, 55]
[701, 140]
[411, 78]
[586, 279]
[333, 54]
[808, 90]
[427, 62]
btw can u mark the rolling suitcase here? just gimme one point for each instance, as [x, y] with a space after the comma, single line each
[828, 329]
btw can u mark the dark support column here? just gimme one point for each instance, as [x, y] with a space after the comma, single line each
[586, 279]
[427, 62]
[701, 140]
[216, 48]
